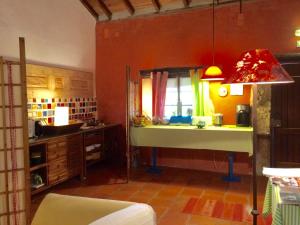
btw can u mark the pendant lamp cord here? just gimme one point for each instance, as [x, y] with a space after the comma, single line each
[213, 32]
[241, 7]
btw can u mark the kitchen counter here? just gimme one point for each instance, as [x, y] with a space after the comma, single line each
[213, 128]
[43, 139]
[224, 138]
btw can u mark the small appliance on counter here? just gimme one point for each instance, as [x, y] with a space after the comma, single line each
[243, 115]
[218, 119]
[31, 128]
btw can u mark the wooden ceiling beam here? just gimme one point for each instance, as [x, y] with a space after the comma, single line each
[186, 3]
[87, 5]
[156, 5]
[105, 9]
[129, 7]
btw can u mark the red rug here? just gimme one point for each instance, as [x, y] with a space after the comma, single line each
[217, 209]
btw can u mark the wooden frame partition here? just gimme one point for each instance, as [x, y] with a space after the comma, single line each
[127, 122]
[14, 164]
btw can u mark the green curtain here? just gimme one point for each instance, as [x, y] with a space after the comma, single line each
[195, 81]
[203, 105]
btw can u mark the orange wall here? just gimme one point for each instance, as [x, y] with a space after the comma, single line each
[227, 104]
[184, 39]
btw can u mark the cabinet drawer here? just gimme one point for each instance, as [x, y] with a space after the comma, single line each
[92, 139]
[55, 178]
[58, 170]
[57, 143]
[58, 165]
[54, 145]
[57, 154]
[57, 149]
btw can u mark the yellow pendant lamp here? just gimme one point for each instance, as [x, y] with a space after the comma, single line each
[213, 72]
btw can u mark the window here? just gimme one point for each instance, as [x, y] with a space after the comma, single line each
[179, 97]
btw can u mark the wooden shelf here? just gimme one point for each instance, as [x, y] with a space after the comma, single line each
[93, 161]
[38, 167]
[99, 149]
[38, 190]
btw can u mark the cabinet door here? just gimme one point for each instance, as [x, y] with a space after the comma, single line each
[58, 171]
[57, 160]
[93, 138]
[57, 150]
[75, 154]
[286, 120]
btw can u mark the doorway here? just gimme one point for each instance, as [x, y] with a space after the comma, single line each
[285, 116]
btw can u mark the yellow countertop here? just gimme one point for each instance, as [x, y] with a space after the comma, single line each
[224, 138]
[212, 128]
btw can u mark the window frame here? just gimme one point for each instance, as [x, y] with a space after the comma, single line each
[172, 72]
[179, 102]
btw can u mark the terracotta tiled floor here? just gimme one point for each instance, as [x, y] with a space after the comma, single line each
[168, 193]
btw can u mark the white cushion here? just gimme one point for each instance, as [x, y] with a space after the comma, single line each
[137, 214]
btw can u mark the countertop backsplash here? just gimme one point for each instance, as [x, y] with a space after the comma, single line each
[83, 108]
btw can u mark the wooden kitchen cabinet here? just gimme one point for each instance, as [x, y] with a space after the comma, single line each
[66, 156]
[63, 159]
[100, 144]
[57, 153]
[75, 155]
[93, 145]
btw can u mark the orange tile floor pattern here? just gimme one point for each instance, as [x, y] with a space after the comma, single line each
[170, 194]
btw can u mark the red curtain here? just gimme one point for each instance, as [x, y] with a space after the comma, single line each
[159, 88]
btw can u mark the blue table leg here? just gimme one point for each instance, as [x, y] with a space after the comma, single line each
[231, 177]
[154, 169]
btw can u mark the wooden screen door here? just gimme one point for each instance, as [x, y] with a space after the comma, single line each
[285, 117]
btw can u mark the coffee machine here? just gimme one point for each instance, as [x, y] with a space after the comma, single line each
[243, 115]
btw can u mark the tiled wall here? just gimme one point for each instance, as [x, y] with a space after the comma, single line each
[82, 108]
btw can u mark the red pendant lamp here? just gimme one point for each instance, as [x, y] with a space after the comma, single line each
[257, 67]
[213, 72]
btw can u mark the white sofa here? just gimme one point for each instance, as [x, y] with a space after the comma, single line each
[72, 210]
